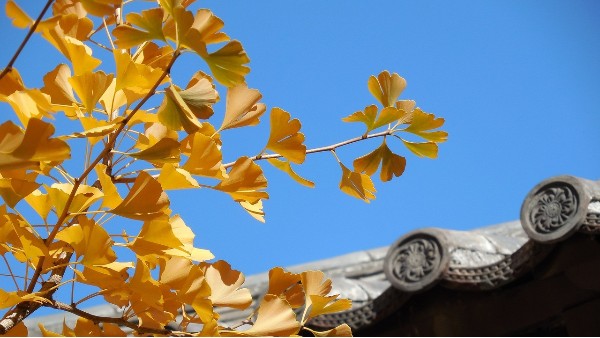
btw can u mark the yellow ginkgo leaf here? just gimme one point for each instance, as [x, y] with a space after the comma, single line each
[357, 185]
[178, 24]
[90, 87]
[152, 55]
[57, 86]
[422, 122]
[101, 8]
[342, 330]
[245, 182]
[275, 318]
[20, 149]
[47, 333]
[32, 245]
[155, 237]
[227, 64]
[86, 328]
[150, 28]
[29, 103]
[373, 121]
[19, 330]
[146, 199]
[285, 137]
[206, 28]
[422, 149]
[76, 26]
[135, 77]
[175, 114]
[205, 158]
[287, 286]
[16, 185]
[225, 285]
[8, 299]
[286, 167]
[386, 88]
[242, 107]
[10, 83]
[166, 150]
[314, 283]
[111, 195]
[255, 210]
[84, 197]
[19, 17]
[321, 305]
[172, 177]
[90, 241]
[186, 236]
[391, 164]
[95, 129]
[40, 203]
[200, 95]
[80, 56]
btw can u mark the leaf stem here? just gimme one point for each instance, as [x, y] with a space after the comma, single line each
[12, 61]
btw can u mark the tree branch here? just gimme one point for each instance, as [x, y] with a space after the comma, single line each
[12, 61]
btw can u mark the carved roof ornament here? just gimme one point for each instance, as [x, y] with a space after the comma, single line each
[557, 207]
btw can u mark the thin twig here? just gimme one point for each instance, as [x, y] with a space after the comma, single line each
[12, 61]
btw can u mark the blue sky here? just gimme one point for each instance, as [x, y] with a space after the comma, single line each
[517, 82]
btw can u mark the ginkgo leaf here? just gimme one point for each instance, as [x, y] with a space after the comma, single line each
[86, 328]
[90, 241]
[205, 158]
[29, 103]
[285, 138]
[47, 333]
[200, 95]
[245, 182]
[152, 55]
[57, 86]
[166, 150]
[101, 8]
[227, 64]
[146, 199]
[76, 27]
[357, 185]
[95, 129]
[254, 209]
[40, 203]
[186, 236]
[422, 122]
[19, 330]
[225, 285]
[286, 167]
[32, 244]
[111, 195]
[19, 17]
[84, 197]
[373, 121]
[16, 185]
[150, 23]
[155, 237]
[287, 286]
[178, 24]
[8, 299]
[242, 107]
[275, 318]
[391, 164]
[423, 149]
[386, 88]
[113, 99]
[11, 82]
[175, 114]
[321, 305]
[80, 56]
[20, 149]
[132, 76]
[342, 330]
[314, 283]
[206, 28]
[90, 87]
[172, 177]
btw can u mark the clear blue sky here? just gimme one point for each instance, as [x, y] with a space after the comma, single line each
[518, 83]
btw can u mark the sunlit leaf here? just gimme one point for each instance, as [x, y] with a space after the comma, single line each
[95, 129]
[342, 330]
[225, 285]
[386, 88]
[357, 185]
[29, 103]
[8, 299]
[132, 76]
[86, 328]
[16, 185]
[287, 286]
[186, 236]
[40, 203]
[80, 56]
[20, 149]
[226, 64]
[111, 196]
[11, 82]
[172, 177]
[150, 28]
[155, 237]
[254, 209]
[175, 114]
[57, 86]
[84, 197]
[286, 167]
[19, 17]
[200, 95]
[373, 121]
[90, 87]
[275, 318]
[90, 241]
[321, 305]
[205, 158]
[206, 28]
[245, 182]
[242, 107]
[423, 122]
[166, 150]
[391, 164]
[32, 244]
[19, 330]
[285, 137]
[145, 200]
[424, 149]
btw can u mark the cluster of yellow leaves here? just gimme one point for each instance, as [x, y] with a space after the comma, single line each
[398, 116]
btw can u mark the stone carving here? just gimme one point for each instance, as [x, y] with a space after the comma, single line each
[553, 208]
[414, 262]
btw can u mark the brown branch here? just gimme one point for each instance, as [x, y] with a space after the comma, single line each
[321, 149]
[113, 320]
[12, 61]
